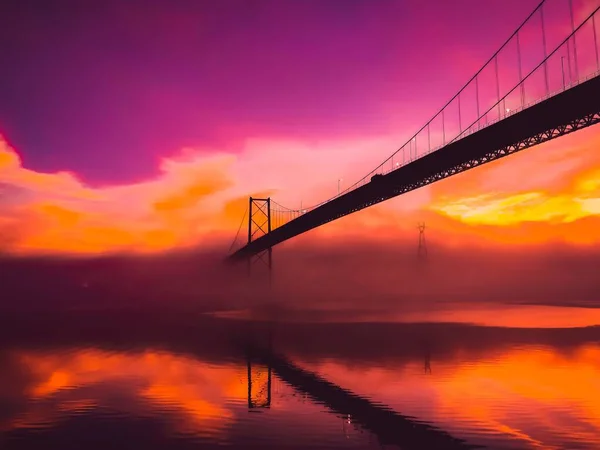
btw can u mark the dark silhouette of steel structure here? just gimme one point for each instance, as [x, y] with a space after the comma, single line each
[259, 222]
[576, 106]
[390, 427]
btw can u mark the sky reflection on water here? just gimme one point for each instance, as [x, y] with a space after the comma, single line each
[167, 383]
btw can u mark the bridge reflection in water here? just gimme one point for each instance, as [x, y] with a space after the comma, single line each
[390, 427]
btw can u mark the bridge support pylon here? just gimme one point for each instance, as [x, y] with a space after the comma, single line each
[259, 224]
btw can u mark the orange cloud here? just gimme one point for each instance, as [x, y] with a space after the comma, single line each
[549, 192]
[546, 194]
[59, 213]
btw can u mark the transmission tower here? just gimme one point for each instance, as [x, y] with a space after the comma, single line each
[422, 252]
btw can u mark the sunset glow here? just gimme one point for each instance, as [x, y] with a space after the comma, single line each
[193, 191]
[199, 200]
[149, 297]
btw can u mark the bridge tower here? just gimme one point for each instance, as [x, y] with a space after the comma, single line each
[422, 252]
[259, 224]
[259, 385]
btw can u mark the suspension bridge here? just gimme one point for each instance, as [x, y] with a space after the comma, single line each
[536, 99]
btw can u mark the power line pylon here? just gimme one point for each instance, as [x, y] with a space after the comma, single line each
[259, 222]
[422, 252]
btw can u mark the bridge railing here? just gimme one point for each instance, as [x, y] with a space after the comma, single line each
[579, 49]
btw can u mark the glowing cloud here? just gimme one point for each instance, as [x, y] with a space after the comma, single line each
[199, 198]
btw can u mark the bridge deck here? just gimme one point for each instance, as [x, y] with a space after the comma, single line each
[577, 107]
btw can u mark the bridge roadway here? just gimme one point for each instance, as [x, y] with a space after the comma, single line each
[566, 112]
[390, 427]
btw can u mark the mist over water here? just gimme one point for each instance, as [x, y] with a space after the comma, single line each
[343, 277]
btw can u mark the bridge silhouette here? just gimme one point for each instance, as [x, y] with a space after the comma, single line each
[495, 125]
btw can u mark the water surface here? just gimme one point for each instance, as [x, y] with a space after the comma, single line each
[145, 380]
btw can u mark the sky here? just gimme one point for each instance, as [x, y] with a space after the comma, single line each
[142, 127]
